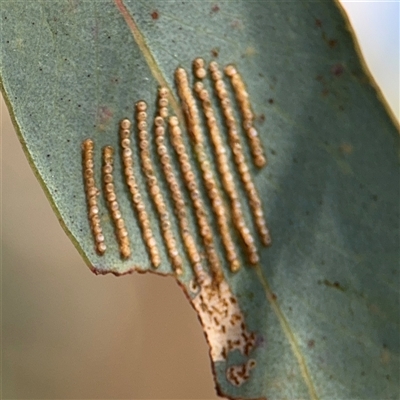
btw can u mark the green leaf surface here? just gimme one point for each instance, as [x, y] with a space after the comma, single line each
[324, 301]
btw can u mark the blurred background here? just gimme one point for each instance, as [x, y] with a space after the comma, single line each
[69, 334]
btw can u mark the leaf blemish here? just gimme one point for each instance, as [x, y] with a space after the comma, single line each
[334, 285]
[104, 115]
[332, 43]
[337, 70]
[236, 24]
[238, 374]
[215, 52]
[224, 326]
[346, 148]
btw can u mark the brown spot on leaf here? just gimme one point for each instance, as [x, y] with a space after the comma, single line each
[325, 92]
[215, 8]
[223, 353]
[332, 43]
[214, 52]
[337, 70]
[104, 114]
[311, 343]
[318, 23]
[155, 15]
[346, 148]
[236, 24]
[335, 285]
[374, 309]
[250, 51]
[238, 374]
[385, 356]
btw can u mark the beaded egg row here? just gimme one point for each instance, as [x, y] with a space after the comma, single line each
[226, 175]
[238, 155]
[193, 122]
[137, 199]
[176, 193]
[112, 203]
[221, 212]
[242, 98]
[191, 112]
[198, 205]
[91, 196]
[154, 188]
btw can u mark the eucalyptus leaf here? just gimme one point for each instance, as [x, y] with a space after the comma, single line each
[324, 301]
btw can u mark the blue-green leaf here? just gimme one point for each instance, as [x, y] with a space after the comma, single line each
[321, 308]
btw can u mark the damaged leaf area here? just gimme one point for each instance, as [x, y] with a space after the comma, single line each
[224, 326]
[171, 137]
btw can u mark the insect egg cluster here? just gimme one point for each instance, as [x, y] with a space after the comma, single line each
[198, 173]
[226, 175]
[238, 154]
[213, 192]
[205, 230]
[173, 184]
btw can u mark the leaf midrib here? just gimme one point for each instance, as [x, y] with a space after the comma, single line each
[148, 56]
